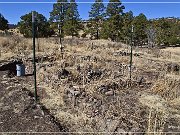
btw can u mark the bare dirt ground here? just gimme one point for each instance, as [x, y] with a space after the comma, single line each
[18, 111]
[88, 90]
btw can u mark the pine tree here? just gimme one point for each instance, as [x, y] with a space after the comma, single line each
[25, 25]
[58, 14]
[127, 25]
[3, 23]
[114, 21]
[72, 23]
[167, 31]
[96, 15]
[140, 23]
[114, 8]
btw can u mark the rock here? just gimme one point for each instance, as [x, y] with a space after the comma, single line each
[103, 89]
[122, 131]
[36, 117]
[99, 103]
[136, 54]
[176, 67]
[91, 99]
[94, 74]
[95, 100]
[172, 125]
[112, 125]
[63, 74]
[50, 65]
[141, 80]
[114, 86]
[96, 111]
[172, 67]
[78, 68]
[83, 94]
[69, 95]
[76, 93]
[109, 93]
[55, 77]
[135, 130]
[72, 92]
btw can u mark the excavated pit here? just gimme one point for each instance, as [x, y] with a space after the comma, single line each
[10, 67]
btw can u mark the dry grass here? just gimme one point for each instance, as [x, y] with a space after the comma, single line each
[159, 97]
[172, 49]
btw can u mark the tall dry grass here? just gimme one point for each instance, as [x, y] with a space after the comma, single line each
[164, 90]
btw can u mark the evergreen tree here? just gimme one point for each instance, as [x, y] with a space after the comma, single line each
[168, 30]
[112, 28]
[25, 25]
[58, 15]
[140, 23]
[96, 15]
[3, 23]
[114, 8]
[127, 25]
[72, 24]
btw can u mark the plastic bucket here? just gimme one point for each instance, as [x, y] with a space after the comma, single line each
[20, 68]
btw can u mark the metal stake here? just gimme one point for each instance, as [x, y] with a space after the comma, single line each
[60, 39]
[132, 30]
[37, 38]
[34, 55]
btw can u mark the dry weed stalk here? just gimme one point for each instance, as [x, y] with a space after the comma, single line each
[156, 121]
[168, 88]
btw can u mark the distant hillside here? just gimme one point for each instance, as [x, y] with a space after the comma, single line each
[12, 26]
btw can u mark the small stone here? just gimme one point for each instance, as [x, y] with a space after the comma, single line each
[98, 104]
[71, 91]
[90, 99]
[69, 95]
[76, 93]
[109, 93]
[83, 94]
[36, 117]
[96, 111]
[122, 131]
[95, 100]
[102, 89]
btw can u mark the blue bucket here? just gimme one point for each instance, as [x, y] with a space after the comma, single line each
[20, 68]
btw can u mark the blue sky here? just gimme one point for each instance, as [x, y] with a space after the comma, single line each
[13, 11]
